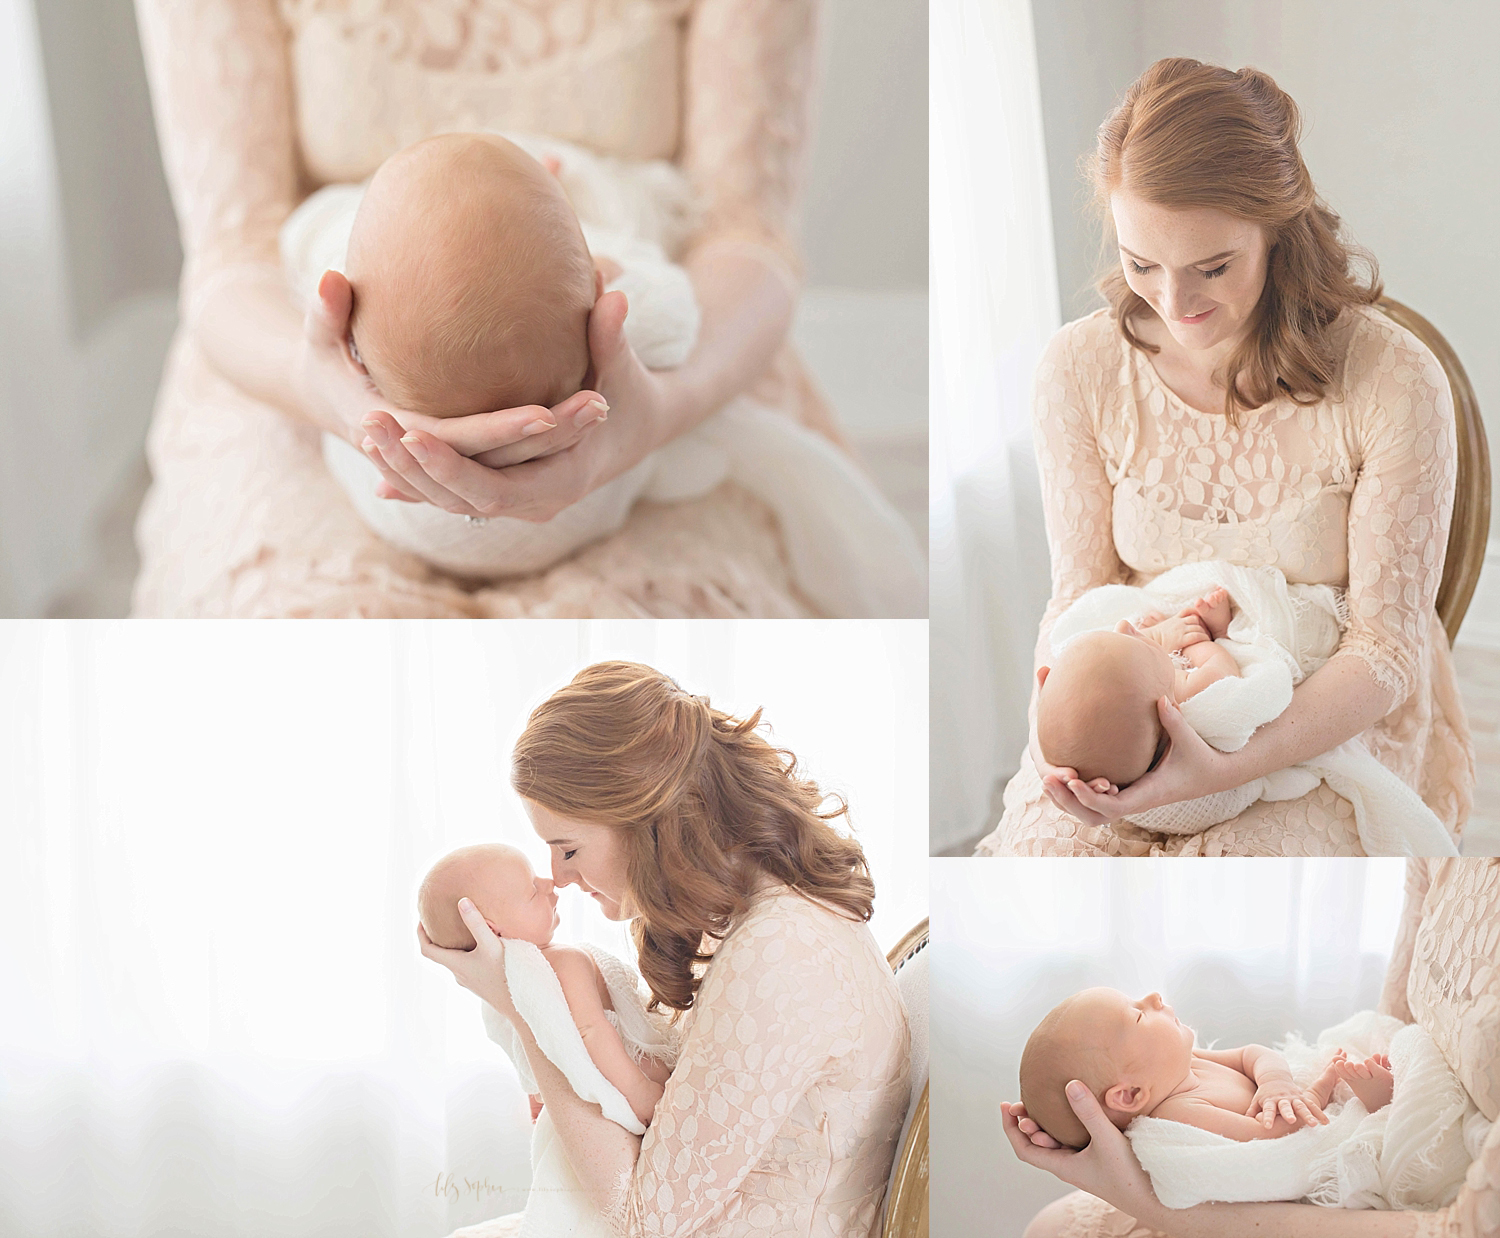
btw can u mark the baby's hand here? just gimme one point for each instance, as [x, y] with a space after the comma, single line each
[1283, 1098]
[1180, 631]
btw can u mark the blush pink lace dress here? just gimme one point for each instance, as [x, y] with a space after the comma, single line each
[1355, 490]
[1445, 975]
[258, 102]
[782, 1113]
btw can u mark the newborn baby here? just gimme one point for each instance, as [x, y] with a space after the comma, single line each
[1239, 642]
[1096, 706]
[1139, 1061]
[519, 905]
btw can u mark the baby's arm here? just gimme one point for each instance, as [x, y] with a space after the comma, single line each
[1211, 663]
[1276, 1095]
[580, 985]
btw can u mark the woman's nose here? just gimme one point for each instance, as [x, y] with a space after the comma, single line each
[559, 874]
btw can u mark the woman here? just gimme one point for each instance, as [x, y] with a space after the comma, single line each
[1243, 399]
[260, 101]
[748, 913]
[1442, 976]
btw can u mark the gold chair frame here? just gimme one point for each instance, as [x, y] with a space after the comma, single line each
[1469, 533]
[906, 1193]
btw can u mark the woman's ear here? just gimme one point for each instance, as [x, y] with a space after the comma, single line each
[1124, 1098]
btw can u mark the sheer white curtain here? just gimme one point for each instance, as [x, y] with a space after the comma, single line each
[1245, 950]
[994, 306]
[213, 1016]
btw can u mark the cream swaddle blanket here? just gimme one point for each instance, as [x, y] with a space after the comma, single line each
[1279, 634]
[558, 1204]
[849, 550]
[1412, 1154]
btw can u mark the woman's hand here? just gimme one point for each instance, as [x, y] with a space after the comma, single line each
[339, 397]
[422, 462]
[480, 970]
[1191, 767]
[1106, 1168]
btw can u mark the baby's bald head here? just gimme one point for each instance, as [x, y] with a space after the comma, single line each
[1070, 1043]
[472, 282]
[1096, 711]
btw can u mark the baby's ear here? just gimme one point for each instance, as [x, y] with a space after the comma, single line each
[1123, 1098]
[494, 928]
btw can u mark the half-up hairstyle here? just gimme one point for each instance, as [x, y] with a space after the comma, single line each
[708, 807]
[1188, 134]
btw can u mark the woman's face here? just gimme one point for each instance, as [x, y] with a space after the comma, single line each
[1201, 270]
[592, 857]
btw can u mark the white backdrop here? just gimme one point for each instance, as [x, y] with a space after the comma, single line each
[994, 305]
[1245, 950]
[213, 1016]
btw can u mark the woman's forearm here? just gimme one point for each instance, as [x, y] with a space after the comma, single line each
[747, 299]
[602, 1153]
[1276, 1221]
[1338, 701]
[251, 332]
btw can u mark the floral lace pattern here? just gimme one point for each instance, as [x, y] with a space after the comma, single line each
[259, 101]
[1356, 491]
[1444, 974]
[784, 1108]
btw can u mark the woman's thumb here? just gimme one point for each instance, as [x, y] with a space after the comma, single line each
[1086, 1105]
[328, 315]
[607, 329]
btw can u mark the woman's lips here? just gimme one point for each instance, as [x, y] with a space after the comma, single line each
[1194, 319]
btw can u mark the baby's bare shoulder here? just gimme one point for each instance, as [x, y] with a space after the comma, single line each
[576, 971]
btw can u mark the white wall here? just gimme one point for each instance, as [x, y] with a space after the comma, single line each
[1401, 101]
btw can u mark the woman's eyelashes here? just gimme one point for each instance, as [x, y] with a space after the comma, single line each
[1214, 274]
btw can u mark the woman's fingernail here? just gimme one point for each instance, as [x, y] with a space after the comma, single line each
[414, 445]
[594, 410]
[538, 426]
[464, 904]
[368, 446]
[1076, 1090]
[377, 432]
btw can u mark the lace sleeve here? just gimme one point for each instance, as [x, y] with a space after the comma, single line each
[772, 1016]
[1077, 497]
[1402, 501]
[1393, 996]
[221, 91]
[749, 86]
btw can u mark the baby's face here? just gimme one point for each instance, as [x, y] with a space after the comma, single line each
[1147, 1051]
[519, 904]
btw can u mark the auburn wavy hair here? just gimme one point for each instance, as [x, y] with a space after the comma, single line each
[1189, 134]
[707, 805]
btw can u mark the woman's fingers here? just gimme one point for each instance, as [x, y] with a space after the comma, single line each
[569, 428]
[532, 426]
[607, 343]
[392, 484]
[407, 457]
[474, 920]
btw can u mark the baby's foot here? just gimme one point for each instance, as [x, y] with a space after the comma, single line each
[1322, 1088]
[1370, 1080]
[1213, 609]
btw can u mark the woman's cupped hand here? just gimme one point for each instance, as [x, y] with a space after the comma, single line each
[525, 464]
[468, 450]
[1190, 768]
[480, 970]
[1106, 1168]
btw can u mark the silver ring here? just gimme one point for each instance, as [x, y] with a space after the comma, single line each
[476, 520]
